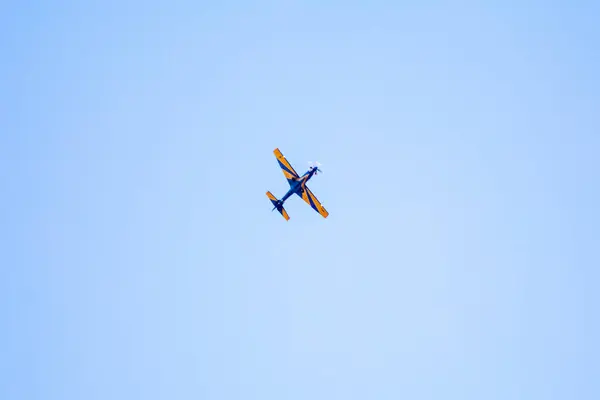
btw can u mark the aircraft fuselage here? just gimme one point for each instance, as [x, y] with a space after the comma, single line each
[297, 186]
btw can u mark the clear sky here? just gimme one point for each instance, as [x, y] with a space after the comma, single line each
[140, 258]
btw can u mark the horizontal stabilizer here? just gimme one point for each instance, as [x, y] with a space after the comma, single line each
[278, 206]
[272, 198]
[284, 213]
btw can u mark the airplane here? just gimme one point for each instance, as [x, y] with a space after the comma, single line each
[297, 186]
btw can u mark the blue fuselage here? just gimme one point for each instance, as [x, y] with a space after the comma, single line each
[298, 185]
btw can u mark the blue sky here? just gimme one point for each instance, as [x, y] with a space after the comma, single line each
[140, 256]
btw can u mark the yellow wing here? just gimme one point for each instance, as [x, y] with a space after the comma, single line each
[312, 201]
[288, 171]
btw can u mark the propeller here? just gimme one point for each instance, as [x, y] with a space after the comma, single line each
[316, 165]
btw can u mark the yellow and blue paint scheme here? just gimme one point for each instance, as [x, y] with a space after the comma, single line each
[297, 186]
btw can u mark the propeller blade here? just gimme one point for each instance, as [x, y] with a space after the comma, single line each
[316, 165]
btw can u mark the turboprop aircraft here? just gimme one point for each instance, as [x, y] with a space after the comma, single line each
[297, 186]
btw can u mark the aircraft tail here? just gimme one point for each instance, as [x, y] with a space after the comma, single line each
[278, 205]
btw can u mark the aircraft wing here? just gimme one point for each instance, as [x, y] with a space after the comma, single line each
[308, 196]
[288, 171]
